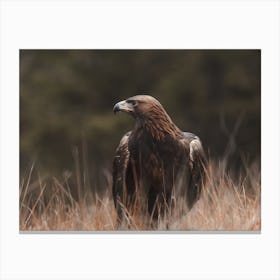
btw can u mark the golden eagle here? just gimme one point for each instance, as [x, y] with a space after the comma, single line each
[153, 159]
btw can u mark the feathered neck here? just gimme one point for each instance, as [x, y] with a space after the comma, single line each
[158, 124]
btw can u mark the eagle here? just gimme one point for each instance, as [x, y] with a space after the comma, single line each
[155, 160]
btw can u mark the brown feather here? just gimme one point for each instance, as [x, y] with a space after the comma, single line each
[154, 157]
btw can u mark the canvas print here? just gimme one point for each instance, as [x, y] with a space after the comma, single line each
[140, 140]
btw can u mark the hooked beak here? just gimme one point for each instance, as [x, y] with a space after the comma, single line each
[122, 106]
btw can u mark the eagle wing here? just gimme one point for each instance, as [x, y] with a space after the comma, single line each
[120, 169]
[197, 165]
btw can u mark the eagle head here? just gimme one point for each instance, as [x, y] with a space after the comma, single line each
[139, 106]
[149, 114]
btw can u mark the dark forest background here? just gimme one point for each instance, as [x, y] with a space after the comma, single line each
[67, 96]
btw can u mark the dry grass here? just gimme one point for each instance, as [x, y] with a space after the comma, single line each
[225, 204]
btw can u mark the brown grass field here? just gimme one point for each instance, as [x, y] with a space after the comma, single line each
[226, 204]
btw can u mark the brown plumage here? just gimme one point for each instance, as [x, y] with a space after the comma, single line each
[155, 160]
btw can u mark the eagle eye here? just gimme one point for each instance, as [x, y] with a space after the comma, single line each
[132, 102]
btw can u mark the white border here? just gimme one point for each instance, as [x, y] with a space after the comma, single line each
[153, 24]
